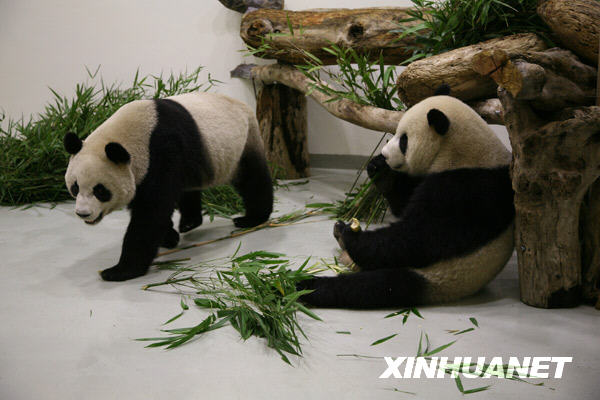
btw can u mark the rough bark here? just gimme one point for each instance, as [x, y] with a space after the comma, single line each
[490, 110]
[555, 78]
[556, 159]
[576, 25]
[454, 68]
[244, 5]
[369, 117]
[281, 113]
[590, 232]
[366, 30]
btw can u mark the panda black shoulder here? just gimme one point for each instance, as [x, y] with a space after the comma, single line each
[176, 137]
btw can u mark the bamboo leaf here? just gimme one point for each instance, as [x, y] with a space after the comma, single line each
[385, 339]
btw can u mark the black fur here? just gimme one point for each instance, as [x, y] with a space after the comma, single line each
[253, 182]
[394, 186]
[438, 121]
[72, 143]
[190, 208]
[116, 153]
[178, 160]
[369, 289]
[442, 215]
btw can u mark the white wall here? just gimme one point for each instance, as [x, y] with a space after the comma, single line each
[47, 44]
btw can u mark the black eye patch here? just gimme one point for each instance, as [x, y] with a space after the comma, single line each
[102, 193]
[74, 189]
[403, 143]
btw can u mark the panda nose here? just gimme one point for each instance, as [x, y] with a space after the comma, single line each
[82, 214]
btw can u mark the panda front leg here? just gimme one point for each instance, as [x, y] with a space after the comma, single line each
[150, 226]
[190, 208]
[383, 248]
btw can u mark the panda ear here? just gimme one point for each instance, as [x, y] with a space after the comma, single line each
[438, 121]
[72, 143]
[116, 153]
[442, 90]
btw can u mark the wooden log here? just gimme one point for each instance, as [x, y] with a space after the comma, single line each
[555, 78]
[369, 117]
[590, 229]
[282, 116]
[576, 25]
[490, 110]
[244, 5]
[556, 153]
[366, 30]
[455, 68]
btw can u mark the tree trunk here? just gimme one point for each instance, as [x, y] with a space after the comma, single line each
[369, 117]
[576, 24]
[281, 113]
[455, 68]
[556, 154]
[590, 232]
[366, 30]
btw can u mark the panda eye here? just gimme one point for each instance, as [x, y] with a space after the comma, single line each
[102, 193]
[403, 143]
[74, 189]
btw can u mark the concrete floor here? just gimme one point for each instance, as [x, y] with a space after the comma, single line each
[66, 334]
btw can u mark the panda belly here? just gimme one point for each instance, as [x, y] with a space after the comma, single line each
[223, 125]
[459, 277]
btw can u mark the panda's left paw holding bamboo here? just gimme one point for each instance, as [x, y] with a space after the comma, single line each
[344, 234]
[119, 273]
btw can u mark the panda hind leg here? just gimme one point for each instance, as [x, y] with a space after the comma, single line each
[253, 183]
[190, 208]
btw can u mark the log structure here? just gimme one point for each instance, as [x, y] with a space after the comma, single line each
[281, 114]
[366, 30]
[243, 6]
[576, 25]
[454, 68]
[368, 117]
[555, 138]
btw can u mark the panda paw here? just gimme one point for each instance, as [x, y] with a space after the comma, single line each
[119, 273]
[171, 239]
[344, 234]
[248, 222]
[376, 166]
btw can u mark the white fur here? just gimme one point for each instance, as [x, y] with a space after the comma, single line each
[130, 126]
[226, 126]
[469, 143]
[463, 276]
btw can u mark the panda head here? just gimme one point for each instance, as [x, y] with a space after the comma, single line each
[440, 133]
[100, 180]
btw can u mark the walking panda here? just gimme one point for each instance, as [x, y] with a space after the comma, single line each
[445, 175]
[157, 155]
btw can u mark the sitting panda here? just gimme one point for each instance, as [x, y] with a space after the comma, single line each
[445, 175]
[157, 155]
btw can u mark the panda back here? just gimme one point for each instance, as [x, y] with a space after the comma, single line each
[223, 124]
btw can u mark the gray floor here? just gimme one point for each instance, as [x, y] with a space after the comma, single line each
[65, 334]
